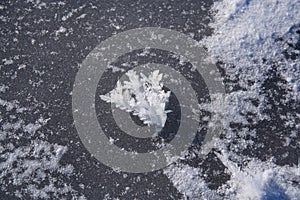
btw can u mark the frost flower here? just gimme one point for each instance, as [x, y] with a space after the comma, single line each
[142, 96]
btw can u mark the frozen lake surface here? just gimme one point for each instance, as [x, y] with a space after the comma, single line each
[255, 46]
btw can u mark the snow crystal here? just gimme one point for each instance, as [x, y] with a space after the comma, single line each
[143, 96]
[3, 88]
[7, 61]
[72, 12]
[60, 30]
[81, 16]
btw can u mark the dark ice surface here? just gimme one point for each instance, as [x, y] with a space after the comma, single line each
[47, 42]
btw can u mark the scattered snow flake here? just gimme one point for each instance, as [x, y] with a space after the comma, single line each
[7, 61]
[82, 16]
[60, 30]
[22, 66]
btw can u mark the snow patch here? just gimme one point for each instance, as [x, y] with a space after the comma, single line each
[250, 37]
[246, 33]
[261, 180]
[30, 164]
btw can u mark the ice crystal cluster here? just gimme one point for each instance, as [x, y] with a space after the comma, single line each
[142, 96]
